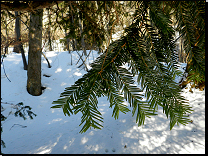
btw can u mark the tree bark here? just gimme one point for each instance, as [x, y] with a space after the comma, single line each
[34, 55]
[74, 41]
[49, 31]
[7, 42]
[23, 57]
[82, 37]
[66, 44]
[17, 33]
[18, 47]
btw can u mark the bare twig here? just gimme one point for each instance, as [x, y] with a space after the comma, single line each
[19, 125]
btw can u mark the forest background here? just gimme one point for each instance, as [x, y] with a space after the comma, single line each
[148, 31]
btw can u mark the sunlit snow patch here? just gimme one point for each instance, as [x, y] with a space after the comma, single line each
[58, 70]
[78, 74]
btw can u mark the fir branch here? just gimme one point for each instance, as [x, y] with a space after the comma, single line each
[148, 48]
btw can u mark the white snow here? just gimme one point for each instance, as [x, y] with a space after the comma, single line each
[50, 132]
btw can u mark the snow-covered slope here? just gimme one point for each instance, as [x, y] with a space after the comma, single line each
[52, 132]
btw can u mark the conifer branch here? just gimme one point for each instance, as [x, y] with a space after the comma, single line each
[148, 47]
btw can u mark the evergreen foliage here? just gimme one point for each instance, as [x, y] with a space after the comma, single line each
[191, 25]
[99, 20]
[148, 47]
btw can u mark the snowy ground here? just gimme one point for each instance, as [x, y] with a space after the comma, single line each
[53, 133]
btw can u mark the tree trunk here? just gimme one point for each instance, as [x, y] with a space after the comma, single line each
[17, 33]
[49, 32]
[66, 44]
[74, 41]
[23, 57]
[34, 55]
[7, 42]
[82, 37]
[18, 47]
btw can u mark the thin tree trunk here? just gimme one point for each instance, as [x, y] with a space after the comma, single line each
[82, 37]
[67, 39]
[7, 43]
[18, 47]
[100, 24]
[23, 57]
[74, 41]
[49, 32]
[34, 55]
[49, 66]
[74, 44]
[17, 33]
[67, 42]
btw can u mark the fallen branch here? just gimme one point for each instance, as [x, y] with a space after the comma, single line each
[19, 125]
